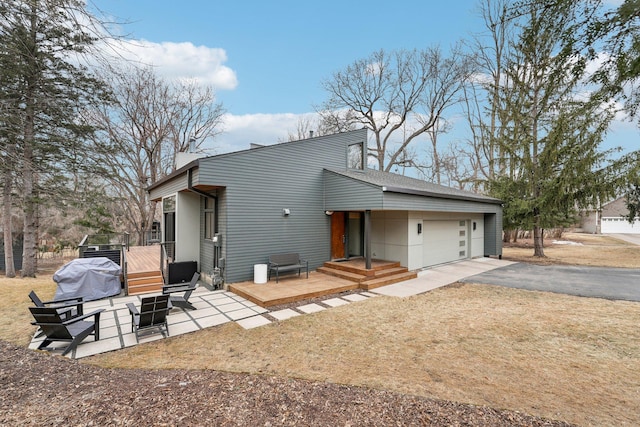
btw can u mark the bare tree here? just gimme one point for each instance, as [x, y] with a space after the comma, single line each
[309, 126]
[441, 126]
[482, 94]
[391, 92]
[139, 135]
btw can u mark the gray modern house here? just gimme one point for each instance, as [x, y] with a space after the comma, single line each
[316, 197]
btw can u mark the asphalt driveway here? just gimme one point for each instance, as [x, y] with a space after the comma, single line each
[597, 282]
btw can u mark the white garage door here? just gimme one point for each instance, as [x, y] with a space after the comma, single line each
[444, 241]
[619, 225]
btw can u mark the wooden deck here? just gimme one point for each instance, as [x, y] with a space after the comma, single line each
[143, 258]
[143, 270]
[332, 278]
[291, 288]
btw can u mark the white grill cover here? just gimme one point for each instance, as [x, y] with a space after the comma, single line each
[89, 278]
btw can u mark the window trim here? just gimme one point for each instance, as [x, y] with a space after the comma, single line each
[211, 224]
[361, 161]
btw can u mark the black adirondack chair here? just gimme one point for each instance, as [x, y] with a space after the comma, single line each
[70, 307]
[185, 288]
[152, 315]
[57, 327]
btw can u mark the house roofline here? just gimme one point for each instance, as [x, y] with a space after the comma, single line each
[400, 189]
[413, 192]
[254, 147]
[192, 164]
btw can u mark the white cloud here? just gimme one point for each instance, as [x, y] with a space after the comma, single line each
[183, 61]
[240, 131]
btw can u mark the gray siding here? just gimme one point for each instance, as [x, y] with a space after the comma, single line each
[399, 201]
[260, 183]
[255, 186]
[493, 234]
[345, 194]
[170, 187]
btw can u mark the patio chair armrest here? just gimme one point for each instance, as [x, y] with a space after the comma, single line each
[66, 301]
[178, 287]
[133, 309]
[95, 313]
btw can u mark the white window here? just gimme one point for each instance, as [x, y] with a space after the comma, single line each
[355, 156]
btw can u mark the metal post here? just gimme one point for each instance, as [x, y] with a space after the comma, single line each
[367, 238]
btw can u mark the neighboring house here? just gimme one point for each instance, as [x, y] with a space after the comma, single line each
[316, 197]
[611, 219]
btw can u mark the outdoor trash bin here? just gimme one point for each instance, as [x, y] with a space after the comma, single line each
[260, 273]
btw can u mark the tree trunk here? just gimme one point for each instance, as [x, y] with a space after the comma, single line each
[433, 135]
[29, 252]
[538, 243]
[10, 269]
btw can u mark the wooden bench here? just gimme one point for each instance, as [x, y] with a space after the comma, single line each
[284, 263]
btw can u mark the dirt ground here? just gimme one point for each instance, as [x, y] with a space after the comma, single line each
[42, 390]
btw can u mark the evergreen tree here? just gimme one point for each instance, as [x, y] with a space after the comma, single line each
[44, 85]
[551, 135]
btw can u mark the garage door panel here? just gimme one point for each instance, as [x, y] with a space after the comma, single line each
[444, 241]
[619, 225]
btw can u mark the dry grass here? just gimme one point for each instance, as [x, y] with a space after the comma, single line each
[562, 357]
[15, 318]
[594, 250]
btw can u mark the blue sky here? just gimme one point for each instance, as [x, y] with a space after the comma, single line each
[267, 59]
[281, 50]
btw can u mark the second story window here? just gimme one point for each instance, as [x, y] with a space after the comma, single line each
[355, 156]
[209, 218]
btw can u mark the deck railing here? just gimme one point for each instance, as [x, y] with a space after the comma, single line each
[152, 237]
[167, 253]
[112, 246]
[102, 242]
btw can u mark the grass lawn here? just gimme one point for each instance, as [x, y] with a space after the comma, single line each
[562, 357]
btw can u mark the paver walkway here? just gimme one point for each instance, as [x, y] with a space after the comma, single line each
[218, 307]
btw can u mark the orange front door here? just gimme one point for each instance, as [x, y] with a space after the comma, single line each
[338, 237]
